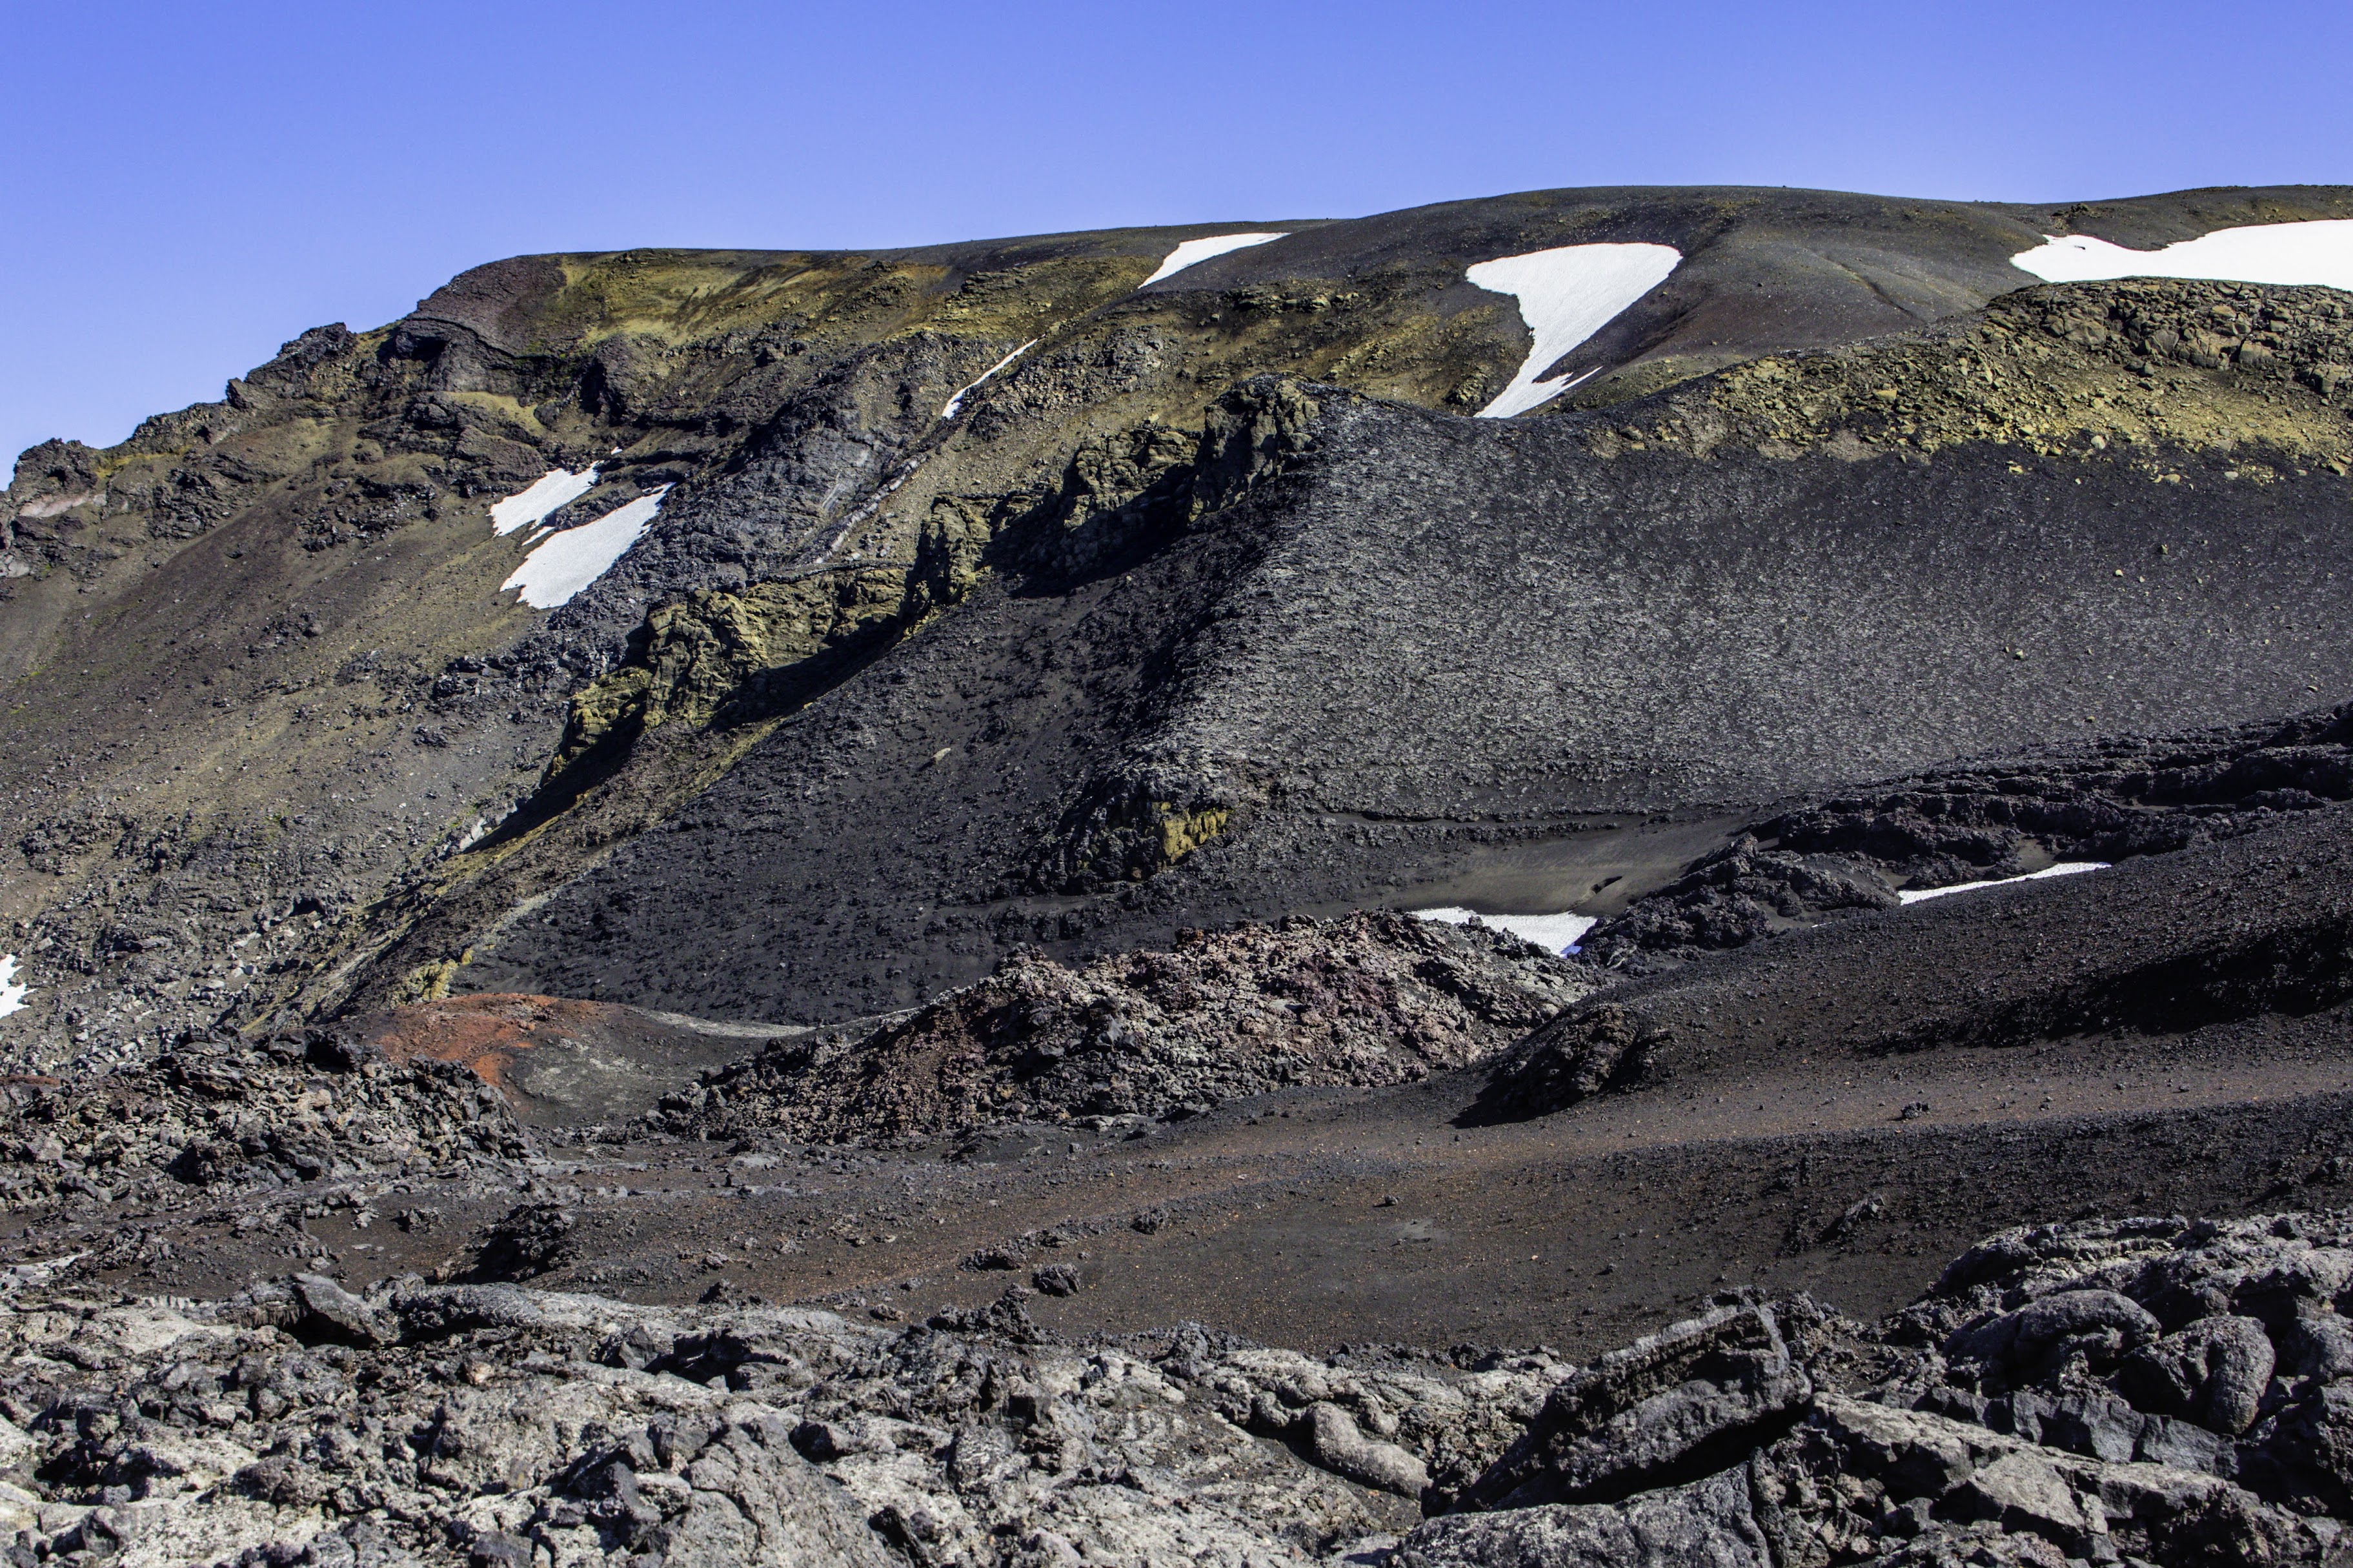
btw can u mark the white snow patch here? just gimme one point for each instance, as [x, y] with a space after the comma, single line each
[1565, 296]
[12, 995]
[569, 560]
[1193, 252]
[2286, 254]
[957, 401]
[553, 488]
[2063, 868]
[1556, 933]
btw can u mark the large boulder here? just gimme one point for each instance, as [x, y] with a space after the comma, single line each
[1696, 1395]
[2215, 1371]
[1934, 1474]
[1706, 1524]
[2303, 1453]
[2032, 1341]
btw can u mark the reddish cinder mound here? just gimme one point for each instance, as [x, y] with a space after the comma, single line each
[485, 1033]
[560, 1062]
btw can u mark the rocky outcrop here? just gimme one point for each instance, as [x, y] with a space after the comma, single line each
[1713, 1522]
[1587, 1050]
[1976, 821]
[1714, 1386]
[1374, 998]
[2139, 368]
[713, 652]
[732, 655]
[2094, 1391]
[302, 1422]
[213, 1118]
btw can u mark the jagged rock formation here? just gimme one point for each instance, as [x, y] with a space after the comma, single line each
[2147, 1390]
[211, 1119]
[1371, 1000]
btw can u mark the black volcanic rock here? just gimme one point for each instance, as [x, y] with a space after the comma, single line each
[530, 1427]
[1372, 1000]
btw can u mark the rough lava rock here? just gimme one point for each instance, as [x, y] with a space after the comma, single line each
[1373, 998]
[1994, 1422]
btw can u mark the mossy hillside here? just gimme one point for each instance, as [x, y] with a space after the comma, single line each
[735, 655]
[684, 296]
[1083, 424]
[729, 655]
[715, 650]
[368, 438]
[679, 296]
[1156, 362]
[1024, 302]
[229, 651]
[710, 676]
[1409, 335]
[2139, 371]
[672, 326]
[678, 335]
[1387, 339]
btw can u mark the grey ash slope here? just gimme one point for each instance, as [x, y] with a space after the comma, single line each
[1417, 637]
[2230, 951]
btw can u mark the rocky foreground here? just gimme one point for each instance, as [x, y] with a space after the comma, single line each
[2157, 1391]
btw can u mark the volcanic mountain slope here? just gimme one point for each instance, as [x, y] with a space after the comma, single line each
[1129, 637]
[1417, 635]
[670, 782]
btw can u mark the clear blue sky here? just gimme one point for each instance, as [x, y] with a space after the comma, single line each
[188, 186]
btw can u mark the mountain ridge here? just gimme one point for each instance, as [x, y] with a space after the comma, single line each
[689, 354]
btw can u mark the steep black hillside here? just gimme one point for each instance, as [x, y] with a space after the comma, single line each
[1132, 638]
[1421, 634]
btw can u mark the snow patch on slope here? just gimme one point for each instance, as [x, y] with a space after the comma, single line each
[2063, 868]
[12, 995]
[1565, 296]
[1193, 252]
[556, 488]
[957, 401]
[567, 561]
[2283, 254]
[1555, 933]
